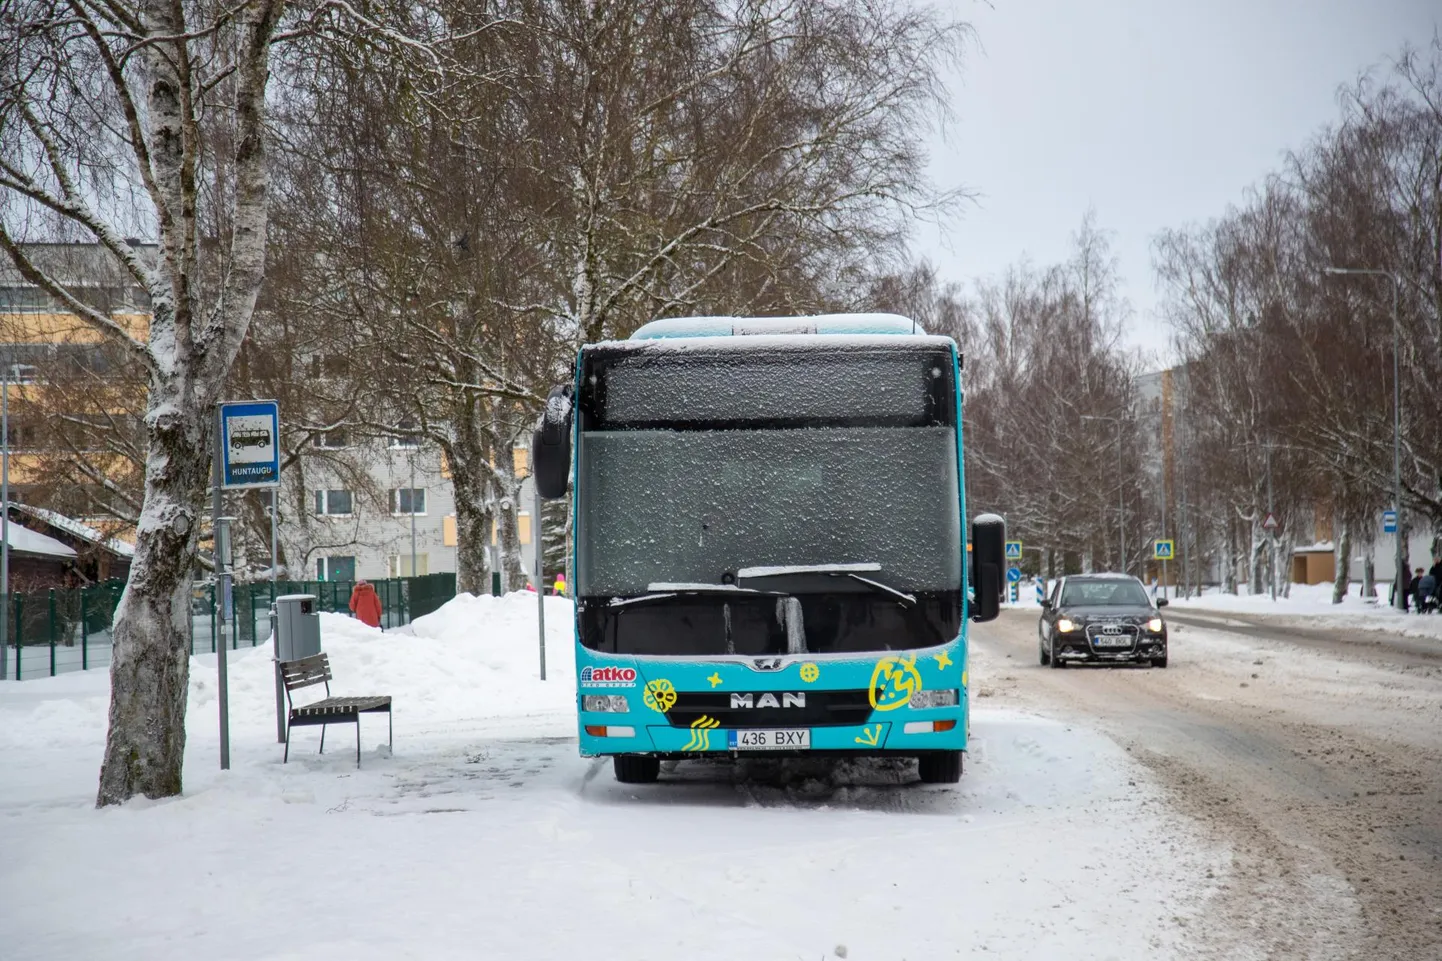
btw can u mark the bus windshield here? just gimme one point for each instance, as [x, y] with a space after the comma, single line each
[696, 464]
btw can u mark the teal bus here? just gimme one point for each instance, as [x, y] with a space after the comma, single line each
[768, 541]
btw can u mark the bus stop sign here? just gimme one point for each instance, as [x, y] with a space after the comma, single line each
[250, 444]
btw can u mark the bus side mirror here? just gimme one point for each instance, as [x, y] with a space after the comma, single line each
[551, 445]
[988, 559]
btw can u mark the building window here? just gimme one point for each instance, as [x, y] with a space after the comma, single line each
[333, 503]
[333, 439]
[405, 436]
[399, 565]
[408, 500]
[335, 568]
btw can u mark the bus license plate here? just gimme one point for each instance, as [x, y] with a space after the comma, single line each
[791, 739]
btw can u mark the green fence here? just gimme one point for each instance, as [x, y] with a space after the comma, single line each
[56, 631]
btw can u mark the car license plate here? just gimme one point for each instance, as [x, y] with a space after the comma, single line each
[770, 740]
[1113, 640]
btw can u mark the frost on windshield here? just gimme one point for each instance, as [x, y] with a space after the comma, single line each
[858, 388]
[687, 506]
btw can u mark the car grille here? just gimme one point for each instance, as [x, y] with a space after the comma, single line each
[1112, 637]
[822, 709]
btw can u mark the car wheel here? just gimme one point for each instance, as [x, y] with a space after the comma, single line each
[1056, 662]
[636, 768]
[1045, 655]
[944, 767]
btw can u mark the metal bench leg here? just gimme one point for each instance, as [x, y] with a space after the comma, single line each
[286, 759]
[390, 732]
[322, 739]
[357, 740]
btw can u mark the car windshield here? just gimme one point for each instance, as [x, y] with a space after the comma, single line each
[1104, 593]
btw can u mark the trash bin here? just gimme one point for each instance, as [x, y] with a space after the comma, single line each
[297, 627]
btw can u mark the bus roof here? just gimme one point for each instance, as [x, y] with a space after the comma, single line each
[818, 324]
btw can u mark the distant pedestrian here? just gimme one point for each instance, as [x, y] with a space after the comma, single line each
[1414, 593]
[560, 588]
[365, 603]
[1436, 570]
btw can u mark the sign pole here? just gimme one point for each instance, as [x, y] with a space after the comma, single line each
[538, 547]
[223, 588]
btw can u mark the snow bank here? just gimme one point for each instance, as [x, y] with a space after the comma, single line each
[1312, 603]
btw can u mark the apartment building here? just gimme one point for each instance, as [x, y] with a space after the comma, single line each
[354, 507]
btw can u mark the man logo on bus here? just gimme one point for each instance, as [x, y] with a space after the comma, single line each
[660, 695]
[608, 676]
[893, 682]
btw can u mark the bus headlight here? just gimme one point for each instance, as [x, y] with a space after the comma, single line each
[1155, 625]
[613, 703]
[933, 699]
[1065, 625]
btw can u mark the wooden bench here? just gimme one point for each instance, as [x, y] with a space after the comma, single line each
[330, 710]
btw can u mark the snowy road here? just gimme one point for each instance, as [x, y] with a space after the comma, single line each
[1260, 799]
[1314, 753]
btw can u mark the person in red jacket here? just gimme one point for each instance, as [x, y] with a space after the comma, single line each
[365, 603]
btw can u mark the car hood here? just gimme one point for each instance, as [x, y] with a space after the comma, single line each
[1086, 615]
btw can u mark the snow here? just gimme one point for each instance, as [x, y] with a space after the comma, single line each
[26, 541]
[1311, 605]
[826, 324]
[79, 529]
[862, 568]
[486, 835]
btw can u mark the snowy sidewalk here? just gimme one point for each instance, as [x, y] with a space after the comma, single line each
[487, 836]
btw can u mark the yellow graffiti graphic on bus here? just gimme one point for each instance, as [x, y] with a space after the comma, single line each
[893, 682]
[701, 729]
[660, 695]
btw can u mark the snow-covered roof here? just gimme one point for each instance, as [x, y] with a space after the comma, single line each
[26, 541]
[818, 324]
[82, 531]
[1321, 547]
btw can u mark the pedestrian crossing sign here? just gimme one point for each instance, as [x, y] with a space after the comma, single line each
[1013, 550]
[1163, 550]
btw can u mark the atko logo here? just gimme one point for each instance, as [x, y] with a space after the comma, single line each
[608, 676]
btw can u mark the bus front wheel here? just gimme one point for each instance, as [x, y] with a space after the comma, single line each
[944, 767]
[636, 768]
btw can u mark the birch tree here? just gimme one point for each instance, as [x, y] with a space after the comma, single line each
[108, 116]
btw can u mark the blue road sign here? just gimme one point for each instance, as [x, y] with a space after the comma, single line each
[1389, 522]
[1040, 592]
[1013, 574]
[1013, 550]
[1163, 550]
[249, 444]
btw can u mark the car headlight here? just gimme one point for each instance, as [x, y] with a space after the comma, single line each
[1066, 625]
[613, 703]
[933, 699]
[1155, 625]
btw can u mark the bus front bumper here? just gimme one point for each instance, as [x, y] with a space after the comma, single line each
[918, 733]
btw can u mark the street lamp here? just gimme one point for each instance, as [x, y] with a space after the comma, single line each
[1399, 597]
[1121, 489]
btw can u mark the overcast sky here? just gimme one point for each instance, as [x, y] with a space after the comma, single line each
[1156, 113]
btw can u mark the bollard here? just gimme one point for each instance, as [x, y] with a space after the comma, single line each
[52, 632]
[84, 635]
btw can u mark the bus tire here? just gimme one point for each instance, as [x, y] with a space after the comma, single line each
[943, 767]
[636, 768]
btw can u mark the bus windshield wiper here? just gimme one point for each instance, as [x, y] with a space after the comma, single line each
[662, 591]
[830, 570]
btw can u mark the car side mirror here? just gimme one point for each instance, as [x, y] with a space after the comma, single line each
[1045, 604]
[551, 445]
[1162, 602]
[988, 559]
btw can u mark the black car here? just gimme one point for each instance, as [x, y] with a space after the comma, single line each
[1101, 618]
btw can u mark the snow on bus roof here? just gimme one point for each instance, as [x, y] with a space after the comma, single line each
[865, 567]
[830, 343]
[829, 324]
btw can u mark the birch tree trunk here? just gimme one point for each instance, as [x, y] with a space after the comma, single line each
[1342, 562]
